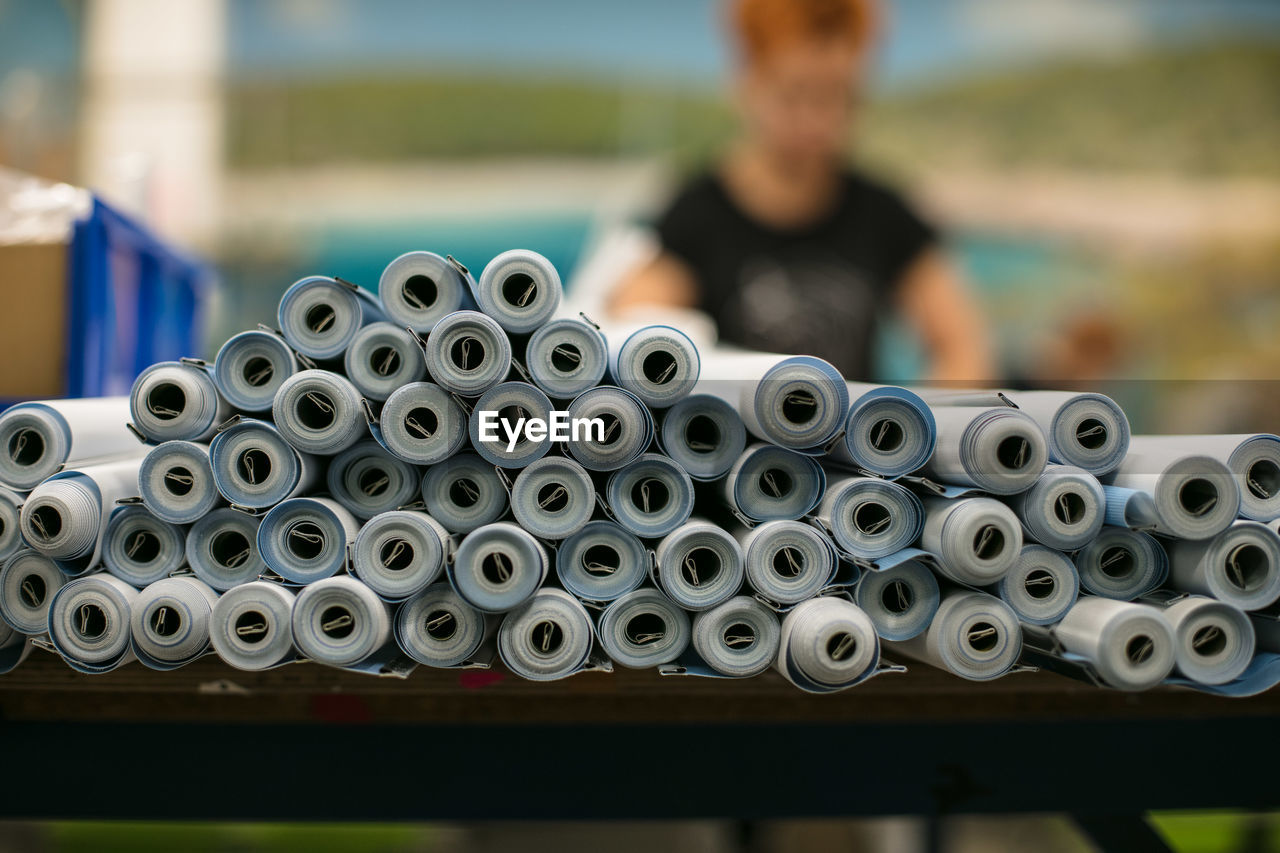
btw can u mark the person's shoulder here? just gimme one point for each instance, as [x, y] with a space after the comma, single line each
[698, 189]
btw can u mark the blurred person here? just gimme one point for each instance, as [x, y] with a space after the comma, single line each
[782, 243]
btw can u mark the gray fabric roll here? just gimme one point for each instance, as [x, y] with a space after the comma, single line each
[222, 549]
[418, 289]
[306, 539]
[398, 554]
[1064, 509]
[254, 467]
[827, 645]
[1130, 646]
[438, 628]
[251, 626]
[786, 561]
[1240, 566]
[141, 549]
[650, 497]
[601, 562]
[999, 450]
[468, 353]
[628, 428]
[1041, 586]
[553, 498]
[976, 540]
[340, 622]
[900, 601]
[10, 523]
[169, 622]
[769, 483]
[869, 517]
[498, 567]
[1213, 642]
[798, 402]
[464, 493]
[176, 401]
[520, 290]
[547, 638]
[38, 438]
[176, 482]
[643, 629]
[512, 401]
[319, 316]
[1196, 496]
[381, 358]
[659, 364]
[368, 480]
[738, 638]
[319, 412]
[422, 424]
[1122, 564]
[28, 583]
[89, 623]
[704, 434]
[251, 367]
[889, 430]
[699, 565]
[566, 357]
[973, 635]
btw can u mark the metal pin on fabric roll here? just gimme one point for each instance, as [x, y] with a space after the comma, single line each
[976, 540]
[650, 497]
[417, 289]
[170, 622]
[659, 364]
[400, 553]
[251, 626]
[643, 629]
[422, 424]
[1240, 566]
[468, 353]
[1122, 564]
[251, 367]
[1130, 646]
[566, 357]
[553, 498]
[340, 622]
[222, 549]
[512, 446]
[89, 623]
[368, 480]
[437, 628]
[786, 561]
[306, 539]
[601, 562]
[547, 638]
[254, 467]
[770, 483]
[141, 549]
[519, 289]
[1196, 496]
[827, 645]
[176, 482]
[798, 402]
[176, 400]
[738, 638]
[38, 438]
[999, 450]
[319, 412]
[381, 358]
[889, 430]
[869, 517]
[1214, 642]
[1041, 586]
[704, 434]
[626, 432]
[464, 493]
[28, 583]
[498, 567]
[973, 635]
[319, 316]
[699, 565]
[10, 523]
[900, 601]
[1064, 509]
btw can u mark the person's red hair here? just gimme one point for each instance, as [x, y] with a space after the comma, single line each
[760, 27]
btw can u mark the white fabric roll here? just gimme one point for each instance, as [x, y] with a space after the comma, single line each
[251, 626]
[399, 553]
[1064, 509]
[1196, 496]
[1000, 449]
[222, 549]
[900, 601]
[650, 497]
[889, 430]
[643, 629]
[254, 467]
[553, 498]
[169, 622]
[1240, 566]
[659, 364]
[699, 565]
[519, 289]
[826, 645]
[1122, 564]
[176, 482]
[1214, 642]
[976, 540]
[176, 400]
[318, 411]
[768, 483]
[38, 438]
[628, 428]
[418, 289]
[973, 635]
[601, 562]
[786, 561]
[422, 424]
[704, 434]
[307, 539]
[498, 567]
[319, 316]
[464, 493]
[566, 357]
[251, 367]
[1041, 586]
[468, 353]
[89, 623]
[28, 583]
[438, 628]
[1130, 646]
[546, 638]
[139, 548]
[368, 480]
[513, 402]
[869, 517]
[381, 358]
[738, 638]
[10, 523]
[340, 622]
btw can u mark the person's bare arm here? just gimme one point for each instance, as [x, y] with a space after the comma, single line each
[665, 280]
[938, 305]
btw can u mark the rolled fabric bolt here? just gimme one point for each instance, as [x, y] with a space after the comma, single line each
[418, 289]
[170, 622]
[464, 493]
[468, 353]
[1122, 564]
[10, 523]
[422, 424]
[659, 364]
[251, 626]
[650, 497]
[566, 357]
[976, 540]
[601, 562]
[89, 623]
[1213, 641]
[39, 438]
[400, 553]
[176, 400]
[519, 289]
[319, 412]
[254, 467]
[546, 638]
[437, 628]
[973, 635]
[514, 403]
[770, 483]
[368, 480]
[643, 628]
[1064, 509]
[28, 583]
[139, 548]
[381, 358]
[498, 567]
[65, 517]
[627, 432]
[319, 316]
[869, 517]
[889, 430]
[699, 565]
[1196, 496]
[704, 434]
[786, 561]
[251, 367]
[1240, 566]
[1130, 646]
[827, 645]
[1041, 586]
[340, 622]
[222, 549]
[999, 450]
[738, 638]
[306, 539]
[900, 601]
[176, 482]
[553, 498]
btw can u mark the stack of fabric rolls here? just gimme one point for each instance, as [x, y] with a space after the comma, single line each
[452, 473]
